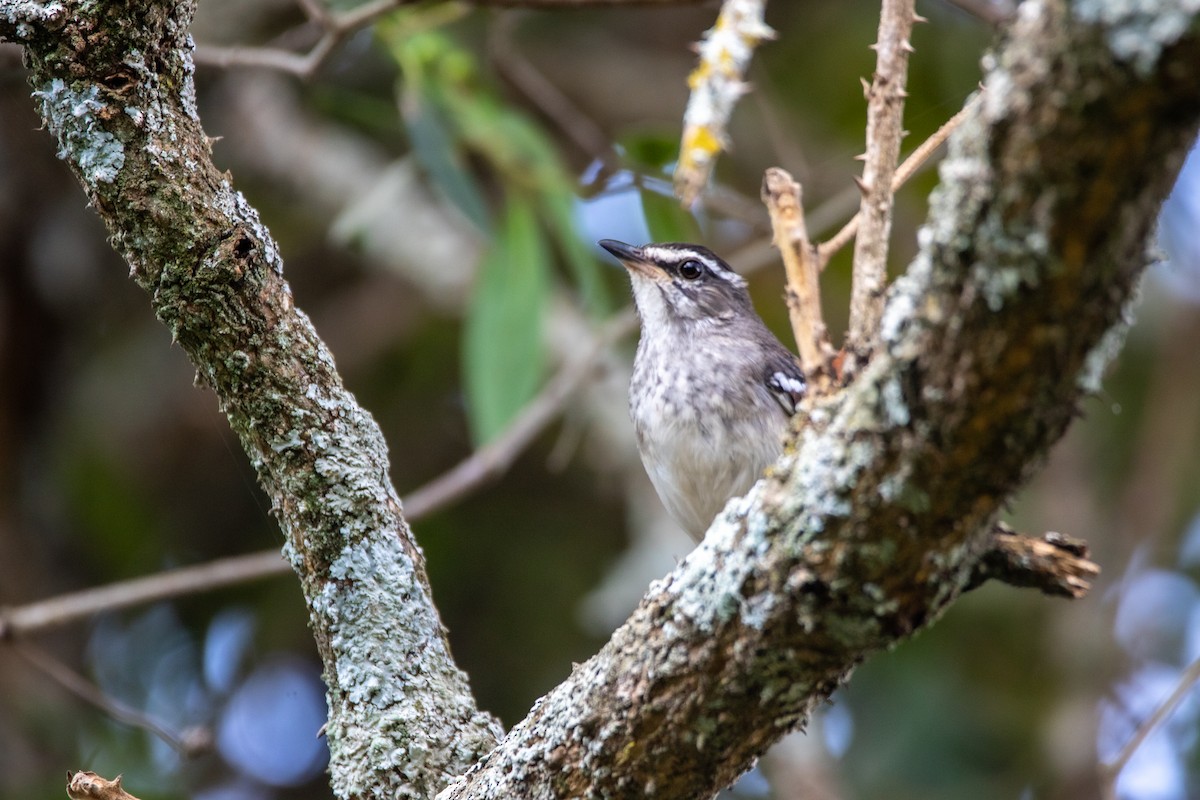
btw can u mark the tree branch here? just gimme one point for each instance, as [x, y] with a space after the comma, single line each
[908, 168]
[873, 523]
[191, 742]
[885, 113]
[486, 463]
[717, 83]
[801, 264]
[337, 27]
[864, 531]
[122, 109]
[1110, 771]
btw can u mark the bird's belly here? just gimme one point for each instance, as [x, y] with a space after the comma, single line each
[696, 468]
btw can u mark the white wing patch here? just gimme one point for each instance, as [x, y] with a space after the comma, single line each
[787, 389]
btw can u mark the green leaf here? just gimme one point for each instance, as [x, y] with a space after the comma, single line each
[434, 145]
[666, 220]
[651, 151]
[503, 356]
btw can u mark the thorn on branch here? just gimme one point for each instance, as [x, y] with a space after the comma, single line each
[885, 110]
[917, 159]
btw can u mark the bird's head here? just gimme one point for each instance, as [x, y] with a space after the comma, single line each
[676, 283]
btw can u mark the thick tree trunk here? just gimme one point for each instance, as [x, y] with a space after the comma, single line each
[863, 533]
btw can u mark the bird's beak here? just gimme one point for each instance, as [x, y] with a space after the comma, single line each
[632, 258]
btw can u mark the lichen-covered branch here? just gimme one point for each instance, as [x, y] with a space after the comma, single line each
[114, 83]
[874, 520]
[716, 84]
[868, 527]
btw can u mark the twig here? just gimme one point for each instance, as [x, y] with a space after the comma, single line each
[990, 11]
[481, 466]
[717, 83]
[494, 458]
[578, 127]
[317, 12]
[911, 166]
[90, 786]
[64, 608]
[303, 66]
[1055, 564]
[189, 744]
[337, 27]
[885, 110]
[1111, 770]
[800, 261]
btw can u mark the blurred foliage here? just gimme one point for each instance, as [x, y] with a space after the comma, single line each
[112, 464]
[503, 338]
[450, 114]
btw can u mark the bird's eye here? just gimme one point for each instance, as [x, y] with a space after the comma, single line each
[691, 269]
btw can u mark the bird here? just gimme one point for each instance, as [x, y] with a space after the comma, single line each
[713, 389]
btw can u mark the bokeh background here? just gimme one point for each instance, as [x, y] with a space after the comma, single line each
[407, 182]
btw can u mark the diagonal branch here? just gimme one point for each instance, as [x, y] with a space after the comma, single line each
[875, 521]
[716, 84]
[123, 111]
[909, 167]
[337, 27]
[486, 463]
[864, 531]
[192, 742]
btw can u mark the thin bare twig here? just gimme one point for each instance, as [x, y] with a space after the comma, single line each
[578, 127]
[188, 744]
[1111, 770]
[338, 27]
[481, 466]
[911, 166]
[885, 111]
[64, 608]
[800, 260]
[494, 458]
[990, 11]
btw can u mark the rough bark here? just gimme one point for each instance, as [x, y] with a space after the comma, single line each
[869, 526]
[863, 533]
[114, 83]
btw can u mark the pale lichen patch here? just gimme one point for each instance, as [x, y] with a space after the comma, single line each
[70, 114]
